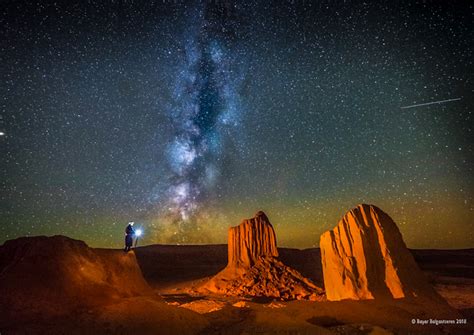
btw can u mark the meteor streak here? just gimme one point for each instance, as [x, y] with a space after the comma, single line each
[430, 103]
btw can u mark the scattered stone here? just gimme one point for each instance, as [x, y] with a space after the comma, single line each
[204, 306]
[241, 304]
[274, 304]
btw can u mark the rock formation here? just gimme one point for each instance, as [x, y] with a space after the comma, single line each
[252, 239]
[365, 257]
[254, 269]
[56, 274]
[57, 285]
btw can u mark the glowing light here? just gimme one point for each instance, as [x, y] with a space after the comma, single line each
[181, 192]
[138, 233]
[182, 156]
[204, 109]
[216, 52]
[430, 103]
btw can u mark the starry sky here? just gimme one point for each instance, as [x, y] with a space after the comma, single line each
[188, 116]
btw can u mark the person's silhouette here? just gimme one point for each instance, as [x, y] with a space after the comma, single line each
[129, 232]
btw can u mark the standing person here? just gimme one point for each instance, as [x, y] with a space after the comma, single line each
[129, 232]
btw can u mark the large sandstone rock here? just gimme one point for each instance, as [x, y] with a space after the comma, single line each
[250, 240]
[365, 257]
[57, 285]
[54, 275]
[254, 269]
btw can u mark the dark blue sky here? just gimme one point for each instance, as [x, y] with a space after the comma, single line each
[188, 116]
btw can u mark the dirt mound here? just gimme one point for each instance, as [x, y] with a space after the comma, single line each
[254, 269]
[268, 277]
[52, 275]
[365, 257]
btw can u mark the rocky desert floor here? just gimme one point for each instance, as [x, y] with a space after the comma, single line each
[60, 286]
[174, 272]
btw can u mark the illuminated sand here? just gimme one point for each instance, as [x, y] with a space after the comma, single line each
[60, 286]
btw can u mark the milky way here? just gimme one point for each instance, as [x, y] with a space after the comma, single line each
[188, 116]
[204, 113]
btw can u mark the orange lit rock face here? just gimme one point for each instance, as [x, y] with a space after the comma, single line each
[365, 257]
[57, 274]
[251, 239]
[254, 269]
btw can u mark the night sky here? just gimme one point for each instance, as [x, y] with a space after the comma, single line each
[187, 117]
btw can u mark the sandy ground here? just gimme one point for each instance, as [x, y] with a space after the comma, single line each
[451, 273]
[139, 315]
[232, 315]
[173, 307]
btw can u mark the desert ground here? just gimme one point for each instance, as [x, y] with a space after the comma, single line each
[173, 271]
[165, 300]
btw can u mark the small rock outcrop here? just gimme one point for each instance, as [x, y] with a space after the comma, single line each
[254, 269]
[365, 257]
